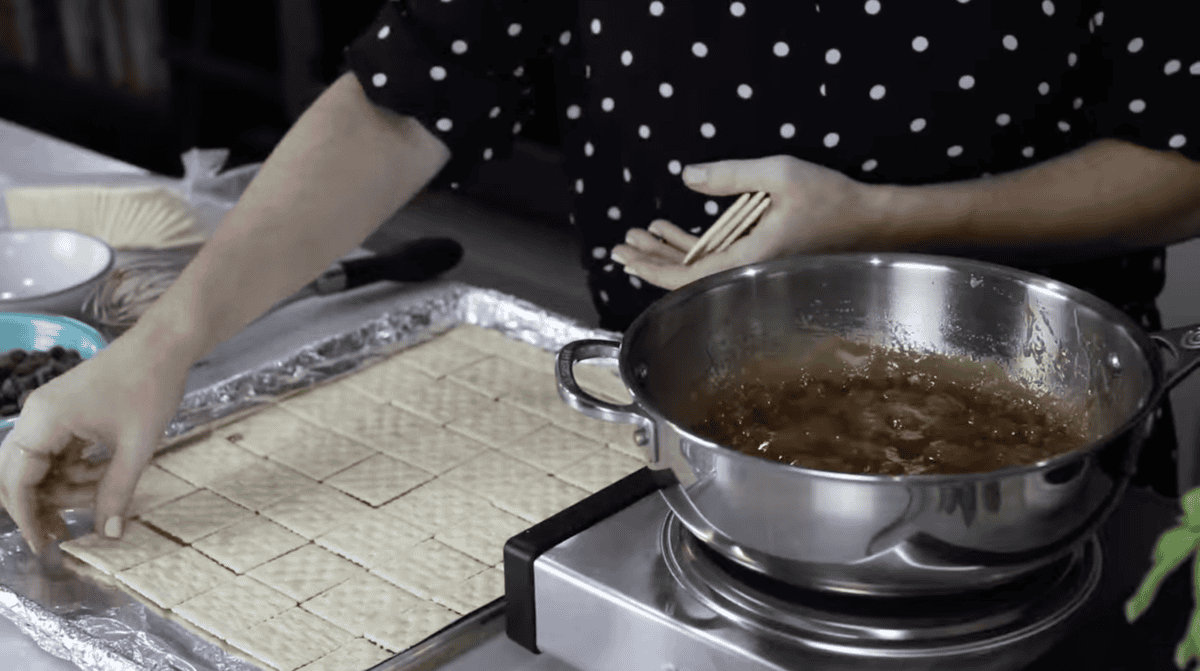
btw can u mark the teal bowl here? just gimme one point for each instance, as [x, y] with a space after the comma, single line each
[42, 332]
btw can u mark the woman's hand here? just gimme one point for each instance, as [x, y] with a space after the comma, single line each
[812, 209]
[122, 399]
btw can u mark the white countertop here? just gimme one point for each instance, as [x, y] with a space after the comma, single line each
[24, 152]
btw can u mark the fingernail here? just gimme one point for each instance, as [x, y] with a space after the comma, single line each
[617, 256]
[656, 228]
[694, 174]
[631, 271]
[112, 528]
[629, 236]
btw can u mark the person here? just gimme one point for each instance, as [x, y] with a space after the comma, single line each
[1024, 132]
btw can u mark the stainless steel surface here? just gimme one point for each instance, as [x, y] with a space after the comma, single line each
[889, 535]
[607, 599]
[874, 627]
[319, 341]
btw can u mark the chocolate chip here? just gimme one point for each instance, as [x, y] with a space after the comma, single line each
[22, 371]
[26, 367]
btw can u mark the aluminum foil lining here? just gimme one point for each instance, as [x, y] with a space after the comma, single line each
[100, 628]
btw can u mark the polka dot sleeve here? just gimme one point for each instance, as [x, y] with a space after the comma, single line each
[1152, 97]
[458, 67]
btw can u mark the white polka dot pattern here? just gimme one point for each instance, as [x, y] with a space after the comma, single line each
[840, 86]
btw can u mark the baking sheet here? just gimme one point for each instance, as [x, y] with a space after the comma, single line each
[101, 628]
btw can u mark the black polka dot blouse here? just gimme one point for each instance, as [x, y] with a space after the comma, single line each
[885, 91]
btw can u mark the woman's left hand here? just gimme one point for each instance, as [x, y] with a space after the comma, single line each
[813, 209]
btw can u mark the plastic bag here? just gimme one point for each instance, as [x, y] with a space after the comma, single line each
[210, 192]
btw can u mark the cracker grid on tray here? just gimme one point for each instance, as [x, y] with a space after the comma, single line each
[313, 511]
[352, 521]
[233, 607]
[305, 573]
[249, 544]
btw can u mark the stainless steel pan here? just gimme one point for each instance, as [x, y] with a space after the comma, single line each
[889, 535]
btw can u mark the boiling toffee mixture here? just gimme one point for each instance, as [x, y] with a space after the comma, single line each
[854, 409]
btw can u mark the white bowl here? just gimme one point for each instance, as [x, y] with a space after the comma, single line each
[50, 271]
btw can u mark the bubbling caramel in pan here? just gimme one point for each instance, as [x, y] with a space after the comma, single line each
[853, 409]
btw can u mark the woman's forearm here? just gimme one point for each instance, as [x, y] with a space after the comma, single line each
[343, 168]
[1106, 198]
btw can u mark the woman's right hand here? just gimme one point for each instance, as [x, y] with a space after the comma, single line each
[121, 399]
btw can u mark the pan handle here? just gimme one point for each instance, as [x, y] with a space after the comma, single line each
[1184, 345]
[574, 396]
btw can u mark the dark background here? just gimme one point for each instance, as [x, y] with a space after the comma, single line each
[145, 80]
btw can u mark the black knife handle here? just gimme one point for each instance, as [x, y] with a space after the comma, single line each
[414, 261]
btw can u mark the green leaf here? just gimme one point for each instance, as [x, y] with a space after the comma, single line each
[1184, 652]
[1173, 548]
[1189, 648]
[1191, 509]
